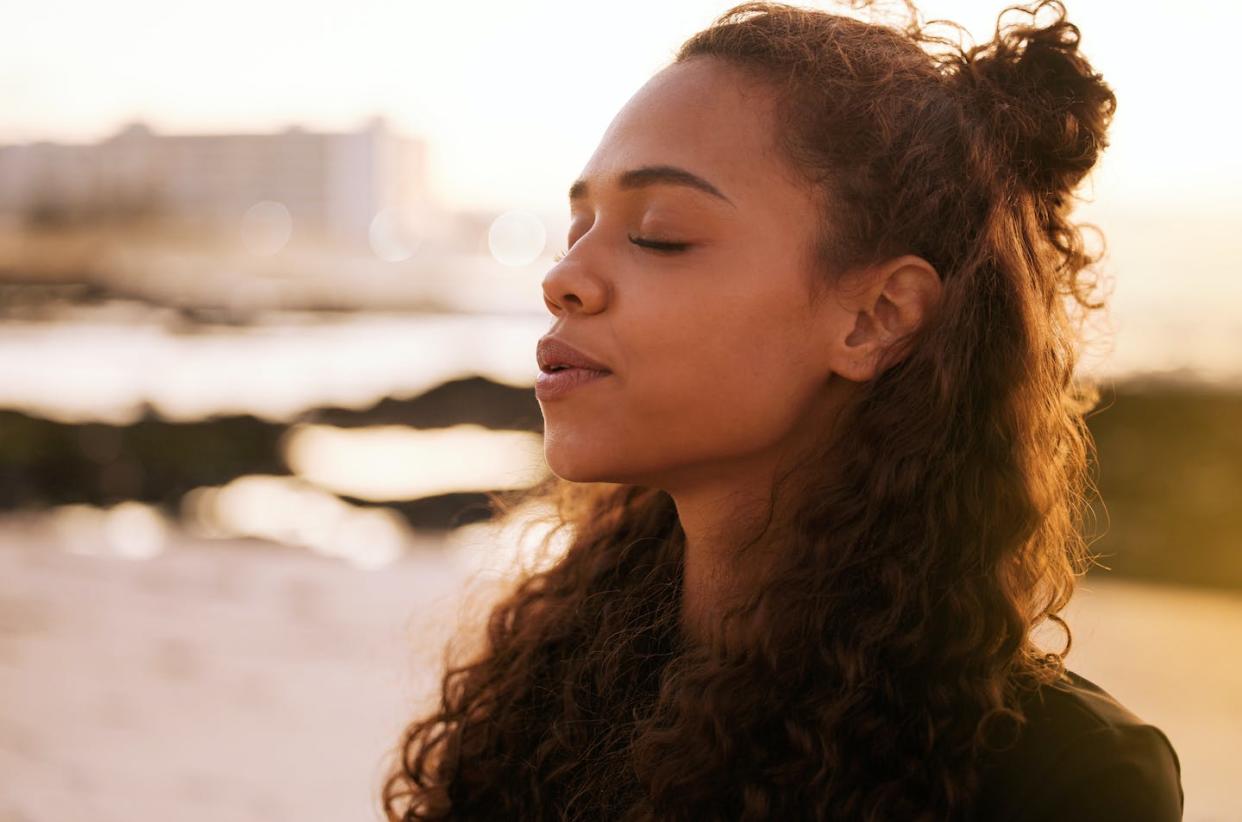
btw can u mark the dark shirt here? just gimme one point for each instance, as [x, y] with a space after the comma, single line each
[1082, 756]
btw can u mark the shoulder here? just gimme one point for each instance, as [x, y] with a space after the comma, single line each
[1082, 755]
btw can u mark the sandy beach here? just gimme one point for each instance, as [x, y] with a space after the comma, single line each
[237, 680]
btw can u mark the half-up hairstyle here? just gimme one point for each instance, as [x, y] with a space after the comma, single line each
[888, 653]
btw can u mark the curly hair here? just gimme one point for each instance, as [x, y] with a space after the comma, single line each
[890, 647]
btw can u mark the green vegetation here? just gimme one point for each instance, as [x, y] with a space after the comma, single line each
[1170, 478]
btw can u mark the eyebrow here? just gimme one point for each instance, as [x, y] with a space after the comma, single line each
[652, 175]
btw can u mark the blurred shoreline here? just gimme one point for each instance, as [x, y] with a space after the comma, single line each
[212, 276]
[122, 402]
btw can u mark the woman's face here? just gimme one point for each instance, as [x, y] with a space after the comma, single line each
[718, 357]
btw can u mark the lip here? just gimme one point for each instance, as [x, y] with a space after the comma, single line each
[553, 351]
[552, 384]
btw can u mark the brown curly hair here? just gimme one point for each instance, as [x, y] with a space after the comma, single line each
[889, 649]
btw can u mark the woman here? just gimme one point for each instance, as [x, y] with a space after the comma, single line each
[821, 460]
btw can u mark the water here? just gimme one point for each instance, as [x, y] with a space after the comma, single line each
[105, 365]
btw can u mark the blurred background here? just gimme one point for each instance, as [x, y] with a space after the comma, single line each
[269, 294]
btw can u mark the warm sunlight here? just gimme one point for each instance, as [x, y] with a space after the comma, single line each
[272, 280]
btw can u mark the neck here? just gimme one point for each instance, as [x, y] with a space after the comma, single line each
[720, 568]
[723, 508]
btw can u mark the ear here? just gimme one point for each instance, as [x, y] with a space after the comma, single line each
[885, 304]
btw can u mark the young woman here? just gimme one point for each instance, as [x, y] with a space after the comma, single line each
[818, 452]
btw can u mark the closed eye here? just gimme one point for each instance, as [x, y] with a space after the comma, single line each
[659, 245]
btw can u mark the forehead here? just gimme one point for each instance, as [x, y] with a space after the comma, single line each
[703, 115]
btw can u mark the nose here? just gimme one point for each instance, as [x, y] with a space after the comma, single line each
[571, 286]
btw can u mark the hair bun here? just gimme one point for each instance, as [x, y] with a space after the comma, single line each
[1046, 108]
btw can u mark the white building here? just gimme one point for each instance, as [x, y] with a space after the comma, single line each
[334, 183]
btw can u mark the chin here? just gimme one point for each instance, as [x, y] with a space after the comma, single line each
[576, 467]
[583, 459]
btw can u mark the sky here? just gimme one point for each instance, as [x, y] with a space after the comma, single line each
[514, 96]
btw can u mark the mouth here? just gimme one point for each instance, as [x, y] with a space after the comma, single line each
[560, 380]
[555, 355]
[558, 368]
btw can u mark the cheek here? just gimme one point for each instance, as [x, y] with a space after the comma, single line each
[728, 377]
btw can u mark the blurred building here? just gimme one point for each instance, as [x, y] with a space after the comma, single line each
[336, 183]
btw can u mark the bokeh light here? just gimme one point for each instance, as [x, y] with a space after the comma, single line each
[266, 227]
[127, 530]
[290, 511]
[393, 237]
[517, 238]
